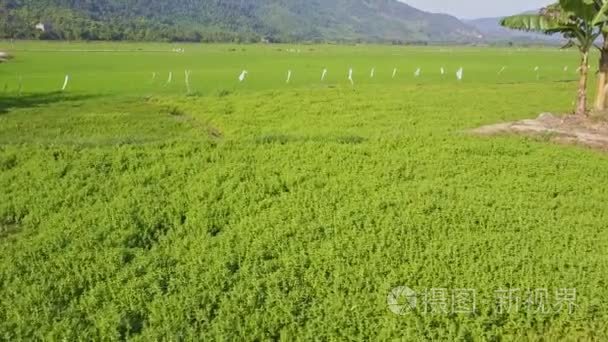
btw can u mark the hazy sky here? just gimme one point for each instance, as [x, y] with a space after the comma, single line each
[478, 8]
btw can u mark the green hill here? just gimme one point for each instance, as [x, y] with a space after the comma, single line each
[229, 20]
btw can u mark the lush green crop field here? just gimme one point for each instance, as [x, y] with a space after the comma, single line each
[128, 69]
[264, 210]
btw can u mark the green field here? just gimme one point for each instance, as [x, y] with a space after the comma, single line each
[131, 209]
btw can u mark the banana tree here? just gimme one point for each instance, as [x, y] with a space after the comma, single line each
[576, 21]
[601, 20]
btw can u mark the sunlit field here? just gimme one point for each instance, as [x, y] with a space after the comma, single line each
[128, 69]
[134, 208]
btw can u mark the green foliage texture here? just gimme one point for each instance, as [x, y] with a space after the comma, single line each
[263, 211]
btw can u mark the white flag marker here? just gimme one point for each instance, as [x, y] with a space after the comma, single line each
[323, 75]
[288, 76]
[502, 70]
[350, 76]
[417, 72]
[170, 79]
[442, 70]
[372, 73]
[460, 74]
[243, 75]
[65, 82]
[394, 72]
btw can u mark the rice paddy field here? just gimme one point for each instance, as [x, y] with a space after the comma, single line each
[133, 208]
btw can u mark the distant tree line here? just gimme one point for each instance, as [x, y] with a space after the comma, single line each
[352, 21]
[134, 20]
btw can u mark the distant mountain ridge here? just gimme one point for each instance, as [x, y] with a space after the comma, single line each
[492, 31]
[230, 20]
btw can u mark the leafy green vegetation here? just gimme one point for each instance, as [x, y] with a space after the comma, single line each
[264, 210]
[582, 23]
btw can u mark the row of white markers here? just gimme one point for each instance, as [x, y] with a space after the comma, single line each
[417, 73]
[244, 73]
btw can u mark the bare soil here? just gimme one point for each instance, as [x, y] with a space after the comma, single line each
[4, 56]
[588, 131]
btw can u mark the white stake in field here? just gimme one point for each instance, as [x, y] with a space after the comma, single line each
[243, 75]
[65, 82]
[442, 70]
[170, 79]
[288, 76]
[350, 76]
[460, 74]
[323, 75]
[372, 73]
[502, 70]
[417, 72]
[394, 73]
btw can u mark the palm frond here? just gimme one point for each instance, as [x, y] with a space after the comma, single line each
[532, 23]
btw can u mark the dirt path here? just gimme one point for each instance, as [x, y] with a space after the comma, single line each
[568, 129]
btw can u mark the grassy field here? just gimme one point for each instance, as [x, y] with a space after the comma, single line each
[261, 210]
[128, 69]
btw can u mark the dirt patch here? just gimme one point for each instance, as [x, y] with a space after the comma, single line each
[4, 56]
[570, 129]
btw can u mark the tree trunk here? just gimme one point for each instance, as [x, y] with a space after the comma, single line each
[601, 99]
[581, 99]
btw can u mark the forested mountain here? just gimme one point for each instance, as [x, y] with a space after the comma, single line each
[229, 20]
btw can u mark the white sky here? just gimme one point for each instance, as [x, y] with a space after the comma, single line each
[470, 9]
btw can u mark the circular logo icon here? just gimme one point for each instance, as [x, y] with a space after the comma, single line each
[401, 300]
